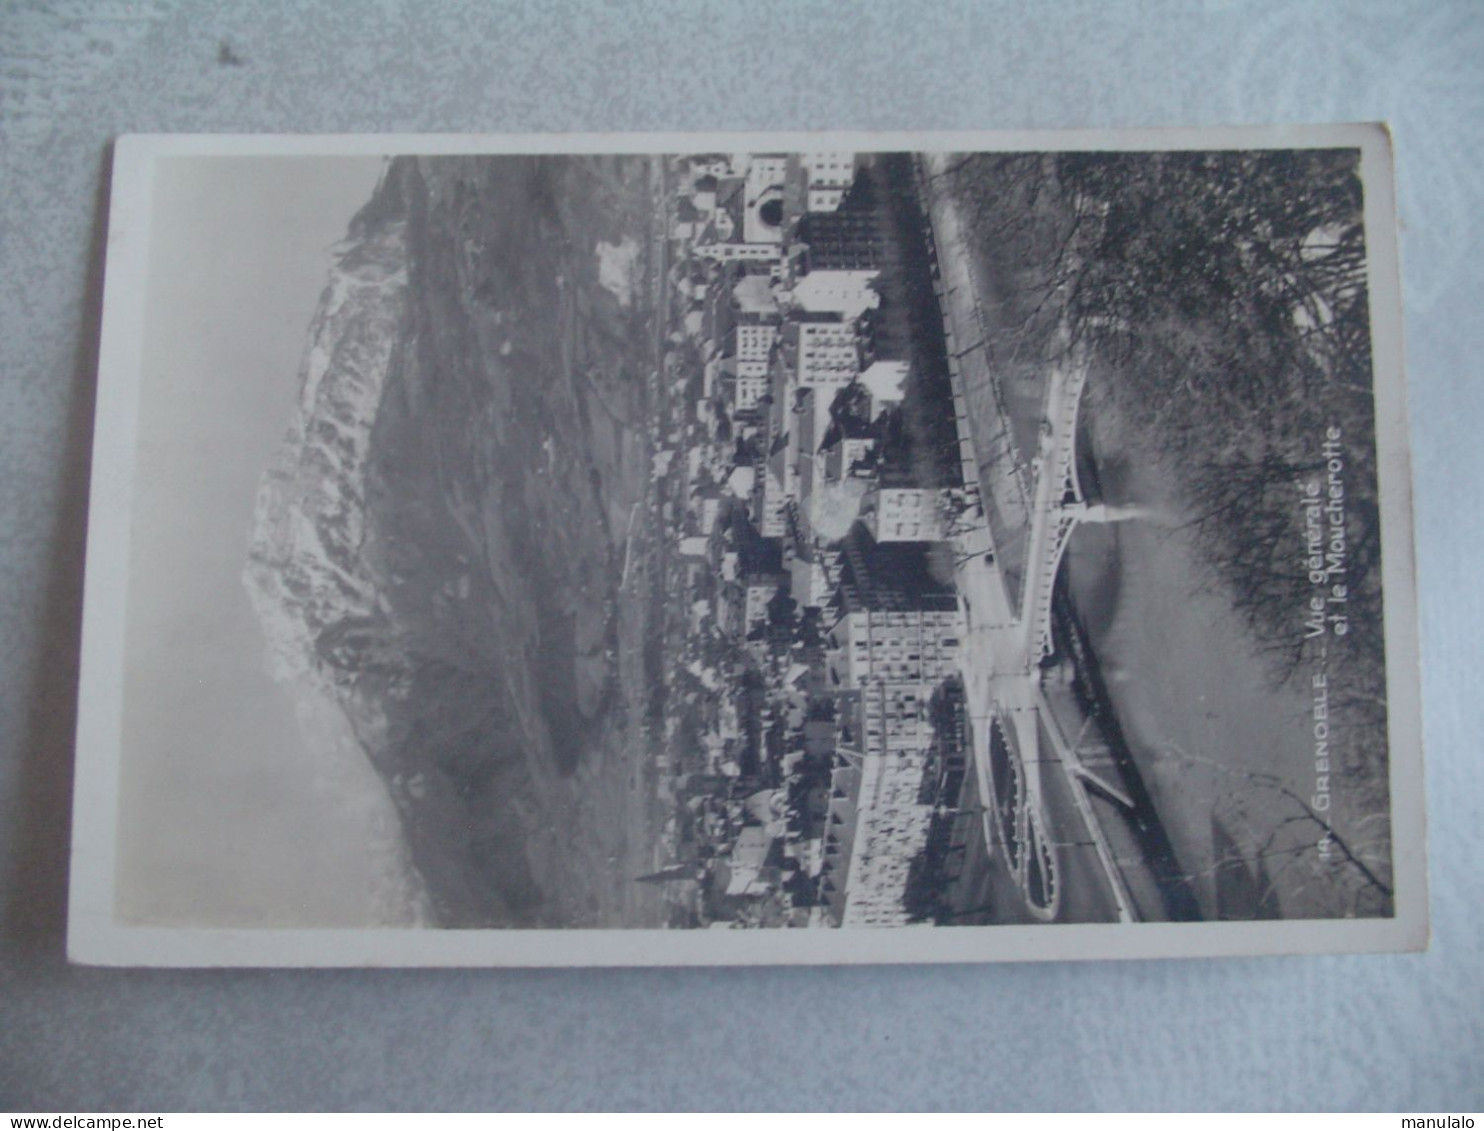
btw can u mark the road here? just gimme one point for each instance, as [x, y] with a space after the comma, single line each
[1064, 862]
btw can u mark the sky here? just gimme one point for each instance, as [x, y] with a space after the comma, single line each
[229, 815]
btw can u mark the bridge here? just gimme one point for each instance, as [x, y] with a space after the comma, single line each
[1010, 625]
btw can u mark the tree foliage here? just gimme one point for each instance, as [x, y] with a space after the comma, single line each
[1222, 300]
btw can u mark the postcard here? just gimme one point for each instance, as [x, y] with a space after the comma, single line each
[728, 549]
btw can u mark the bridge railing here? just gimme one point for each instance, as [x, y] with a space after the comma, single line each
[1058, 504]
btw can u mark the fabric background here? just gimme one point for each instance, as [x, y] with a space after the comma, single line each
[1371, 1033]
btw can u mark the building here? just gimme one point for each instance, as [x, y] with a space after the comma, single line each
[879, 813]
[917, 646]
[849, 458]
[703, 195]
[751, 389]
[848, 293]
[714, 165]
[771, 500]
[850, 238]
[886, 382]
[814, 573]
[894, 716]
[828, 177]
[838, 839]
[708, 514]
[891, 576]
[749, 862]
[746, 365]
[902, 514]
[891, 828]
[834, 255]
[724, 252]
[826, 355]
[753, 295]
[754, 347]
[758, 593]
[762, 211]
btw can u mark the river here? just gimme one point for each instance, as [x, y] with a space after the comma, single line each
[1219, 744]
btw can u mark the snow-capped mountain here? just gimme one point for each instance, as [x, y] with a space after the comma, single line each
[305, 571]
[432, 556]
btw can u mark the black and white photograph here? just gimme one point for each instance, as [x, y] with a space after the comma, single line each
[732, 548]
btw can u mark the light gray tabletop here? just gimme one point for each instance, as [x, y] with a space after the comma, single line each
[1373, 1033]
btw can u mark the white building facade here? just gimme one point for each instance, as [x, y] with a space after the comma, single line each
[905, 514]
[728, 252]
[827, 355]
[892, 821]
[847, 292]
[829, 176]
[898, 646]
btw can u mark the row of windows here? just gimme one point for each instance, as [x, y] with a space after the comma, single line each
[894, 644]
[827, 379]
[885, 650]
[898, 710]
[902, 617]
